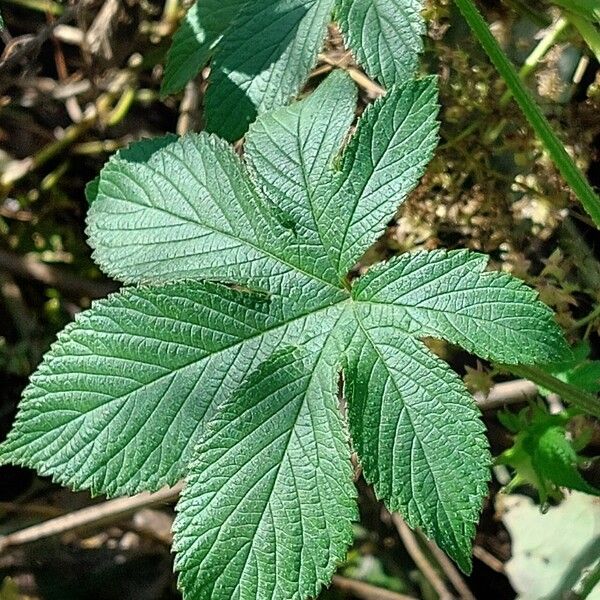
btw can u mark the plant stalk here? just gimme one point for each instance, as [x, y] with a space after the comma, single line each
[537, 54]
[569, 393]
[565, 164]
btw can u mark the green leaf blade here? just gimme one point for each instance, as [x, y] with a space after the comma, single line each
[195, 40]
[418, 435]
[263, 61]
[383, 162]
[449, 295]
[118, 402]
[268, 505]
[385, 35]
[554, 458]
[291, 151]
[184, 208]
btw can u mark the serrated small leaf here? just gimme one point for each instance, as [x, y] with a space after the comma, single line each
[291, 152]
[263, 61]
[407, 413]
[555, 459]
[385, 35]
[269, 502]
[195, 40]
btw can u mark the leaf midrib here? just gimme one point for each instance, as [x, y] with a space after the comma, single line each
[211, 355]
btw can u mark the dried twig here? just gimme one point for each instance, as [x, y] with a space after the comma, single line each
[366, 591]
[34, 43]
[30, 268]
[412, 547]
[454, 577]
[357, 75]
[507, 392]
[487, 558]
[91, 516]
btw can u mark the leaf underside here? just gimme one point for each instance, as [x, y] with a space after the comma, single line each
[222, 363]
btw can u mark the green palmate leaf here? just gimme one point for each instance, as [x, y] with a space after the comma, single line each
[385, 35]
[270, 492]
[238, 388]
[262, 51]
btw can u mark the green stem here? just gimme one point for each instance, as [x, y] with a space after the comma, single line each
[46, 6]
[588, 318]
[537, 54]
[569, 393]
[565, 164]
[590, 581]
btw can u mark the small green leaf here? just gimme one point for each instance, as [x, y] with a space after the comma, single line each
[261, 52]
[382, 164]
[543, 455]
[263, 61]
[385, 35]
[292, 151]
[269, 502]
[195, 41]
[556, 459]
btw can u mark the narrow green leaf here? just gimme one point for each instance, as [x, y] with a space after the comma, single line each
[590, 403]
[418, 435]
[385, 35]
[269, 502]
[555, 148]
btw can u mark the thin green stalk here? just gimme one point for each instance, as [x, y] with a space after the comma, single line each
[588, 318]
[565, 164]
[46, 6]
[569, 393]
[589, 582]
[537, 54]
